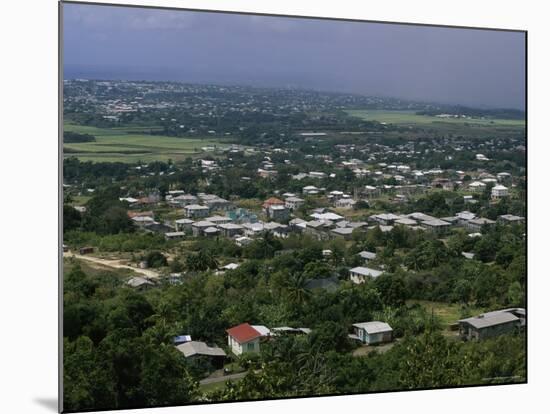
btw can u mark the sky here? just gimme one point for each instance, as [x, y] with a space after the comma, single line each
[481, 68]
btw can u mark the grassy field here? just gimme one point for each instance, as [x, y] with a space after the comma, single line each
[411, 118]
[449, 313]
[125, 145]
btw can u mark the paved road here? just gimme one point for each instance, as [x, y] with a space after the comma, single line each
[223, 379]
[114, 263]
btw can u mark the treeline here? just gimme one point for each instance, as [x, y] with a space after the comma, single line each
[75, 137]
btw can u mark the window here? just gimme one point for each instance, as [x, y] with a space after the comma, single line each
[250, 346]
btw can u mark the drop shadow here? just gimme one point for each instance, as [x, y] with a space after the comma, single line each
[49, 403]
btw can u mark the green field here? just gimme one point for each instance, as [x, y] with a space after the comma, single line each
[449, 313]
[411, 118]
[124, 145]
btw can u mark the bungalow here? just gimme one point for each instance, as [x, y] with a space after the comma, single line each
[244, 338]
[196, 211]
[374, 332]
[196, 351]
[359, 274]
[367, 256]
[140, 283]
[492, 324]
[174, 235]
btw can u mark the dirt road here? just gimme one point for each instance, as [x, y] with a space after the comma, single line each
[114, 263]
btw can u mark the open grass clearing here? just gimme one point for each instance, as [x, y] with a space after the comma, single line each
[116, 144]
[411, 118]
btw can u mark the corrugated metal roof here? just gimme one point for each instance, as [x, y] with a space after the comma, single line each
[199, 348]
[490, 319]
[374, 327]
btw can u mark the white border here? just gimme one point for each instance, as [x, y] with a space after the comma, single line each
[29, 202]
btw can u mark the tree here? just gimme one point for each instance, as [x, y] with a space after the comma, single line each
[156, 259]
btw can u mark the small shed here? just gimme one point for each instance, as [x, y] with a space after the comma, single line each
[374, 332]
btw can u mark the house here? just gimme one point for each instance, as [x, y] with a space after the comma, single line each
[273, 201]
[142, 221]
[476, 224]
[293, 203]
[436, 226]
[317, 174]
[367, 256]
[345, 202]
[230, 229]
[476, 186]
[326, 216]
[374, 332]
[278, 212]
[174, 235]
[499, 191]
[196, 211]
[492, 324]
[140, 283]
[199, 227]
[196, 351]
[184, 225]
[310, 190]
[183, 200]
[244, 338]
[343, 232]
[360, 274]
[243, 241]
[510, 219]
[217, 220]
[464, 217]
[384, 219]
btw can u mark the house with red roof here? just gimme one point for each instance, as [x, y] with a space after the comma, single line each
[246, 338]
[273, 201]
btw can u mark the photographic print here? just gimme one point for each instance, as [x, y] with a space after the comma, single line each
[259, 207]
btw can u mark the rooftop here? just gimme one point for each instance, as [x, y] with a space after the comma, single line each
[243, 333]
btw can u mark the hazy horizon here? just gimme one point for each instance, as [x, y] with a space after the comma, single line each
[470, 67]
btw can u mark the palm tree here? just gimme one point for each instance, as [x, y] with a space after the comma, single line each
[296, 289]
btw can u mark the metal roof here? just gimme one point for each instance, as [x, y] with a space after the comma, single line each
[374, 327]
[366, 271]
[488, 319]
[192, 348]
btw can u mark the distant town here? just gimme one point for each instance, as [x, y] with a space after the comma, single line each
[237, 243]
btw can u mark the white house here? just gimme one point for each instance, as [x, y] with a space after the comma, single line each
[499, 191]
[245, 338]
[359, 274]
[374, 332]
[476, 186]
